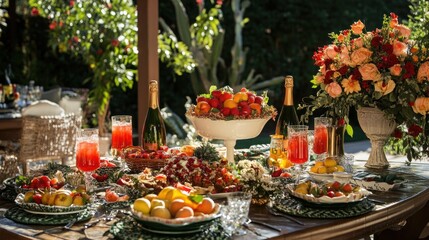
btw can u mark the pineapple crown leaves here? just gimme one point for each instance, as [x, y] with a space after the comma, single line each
[206, 151]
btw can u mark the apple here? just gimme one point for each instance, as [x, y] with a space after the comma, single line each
[235, 112]
[203, 107]
[216, 93]
[259, 99]
[45, 198]
[37, 198]
[51, 200]
[226, 111]
[224, 96]
[28, 197]
[250, 97]
[78, 200]
[214, 102]
[64, 200]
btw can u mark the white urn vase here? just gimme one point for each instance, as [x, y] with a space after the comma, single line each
[378, 129]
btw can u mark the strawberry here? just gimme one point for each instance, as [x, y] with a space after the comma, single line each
[347, 188]
[214, 102]
[226, 112]
[216, 93]
[37, 198]
[336, 186]
[259, 99]
[201, 98]
[235, 111]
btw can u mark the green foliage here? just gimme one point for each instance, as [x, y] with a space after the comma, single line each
[419, 21]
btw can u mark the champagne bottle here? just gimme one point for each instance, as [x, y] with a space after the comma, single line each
[287, 114]
[154, 134]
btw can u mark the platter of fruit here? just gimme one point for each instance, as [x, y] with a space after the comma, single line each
[223, 114]
[328, 192]
[53, 202]
[174, 211]
[379, 182]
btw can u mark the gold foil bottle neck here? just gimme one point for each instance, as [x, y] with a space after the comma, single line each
[288, 81]
[153, 94]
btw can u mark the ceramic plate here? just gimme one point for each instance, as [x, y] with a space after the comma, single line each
[175, 225]
[47, 209]
[19, 215]
[352, 197]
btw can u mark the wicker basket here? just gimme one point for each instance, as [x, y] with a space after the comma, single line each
[138, 164]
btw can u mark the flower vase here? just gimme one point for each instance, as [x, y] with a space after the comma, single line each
[378, 129]
[336, 140]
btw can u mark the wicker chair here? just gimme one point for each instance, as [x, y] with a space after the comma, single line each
[48, 138]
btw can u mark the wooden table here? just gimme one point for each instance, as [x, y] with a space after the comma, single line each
[408, 203]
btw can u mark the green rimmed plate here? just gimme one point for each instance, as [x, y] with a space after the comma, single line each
[128, 229]
[293, 206]
[19, 215]
[41, 209]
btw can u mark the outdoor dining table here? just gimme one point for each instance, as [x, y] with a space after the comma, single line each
[398, 214]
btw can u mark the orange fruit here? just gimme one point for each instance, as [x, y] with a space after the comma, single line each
[229, 103]
[206, 206]
[256, 107]
[240, 96]
[176, 205]
[185, 212]
[330, 162]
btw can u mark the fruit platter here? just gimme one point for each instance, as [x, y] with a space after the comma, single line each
[323, 170]
[328, 192]
[223, 114]
[174, 210]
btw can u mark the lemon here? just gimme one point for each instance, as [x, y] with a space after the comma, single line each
[142, 205]
[314, 169]
[331, 169]
[318, 163]
[156, 202]
[161, 212]
[340, 168]
[165, 191]
[301, 190]
[330, 162]
[321, 170]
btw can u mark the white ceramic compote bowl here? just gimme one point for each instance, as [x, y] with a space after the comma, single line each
[228, 130]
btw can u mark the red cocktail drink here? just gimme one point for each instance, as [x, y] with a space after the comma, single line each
[87, 156]
[122, 136]
[320, 142]
[298, 149]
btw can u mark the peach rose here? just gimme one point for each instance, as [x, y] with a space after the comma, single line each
[393, 22]
[330, 52]
[319, 78]
[350, 85]
[360, 56]
[357, 27]
[423, 72]
[399, 48]
[395, 70]
[385, 88]
[341, 38]
[403, 31]
[345, 56]
[421, 105]
[333, 89]
[357, 43]
[370, 72]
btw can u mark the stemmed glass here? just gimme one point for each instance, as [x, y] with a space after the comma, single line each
[320, 142]
[297, 146]
[122, 133]
[87, 154]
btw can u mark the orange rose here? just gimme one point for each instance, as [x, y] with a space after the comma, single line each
[350, 85]
[399, 49]
[370, 72]
[357, 43]
[330, 52]
[423, 72]
[341, 38]
[345, 56]
[357, 27]
[403, 31]
[384, 88]
[333, 89]
[421, 105]
[395, 70]
[360, 56]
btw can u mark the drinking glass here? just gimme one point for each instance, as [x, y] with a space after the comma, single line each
[320, 142]
[236, 212]
[122, 133]
[87, 154]
[297, 146]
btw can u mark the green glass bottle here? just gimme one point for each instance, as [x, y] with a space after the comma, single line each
[154, 134]
[287, 114]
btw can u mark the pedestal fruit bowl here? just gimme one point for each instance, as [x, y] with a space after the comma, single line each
[230, 116]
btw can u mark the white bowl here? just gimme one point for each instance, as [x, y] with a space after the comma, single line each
[318, 177]
[228, 129]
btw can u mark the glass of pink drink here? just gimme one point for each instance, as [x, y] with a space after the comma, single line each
[87, 154]
[320, 142]
[297, 146]
[122, 133]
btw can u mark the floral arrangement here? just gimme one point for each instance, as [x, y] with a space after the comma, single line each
[382, 68]
[255, 179]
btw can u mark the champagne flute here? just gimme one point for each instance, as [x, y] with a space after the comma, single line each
[297, 146]
[87, 154]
